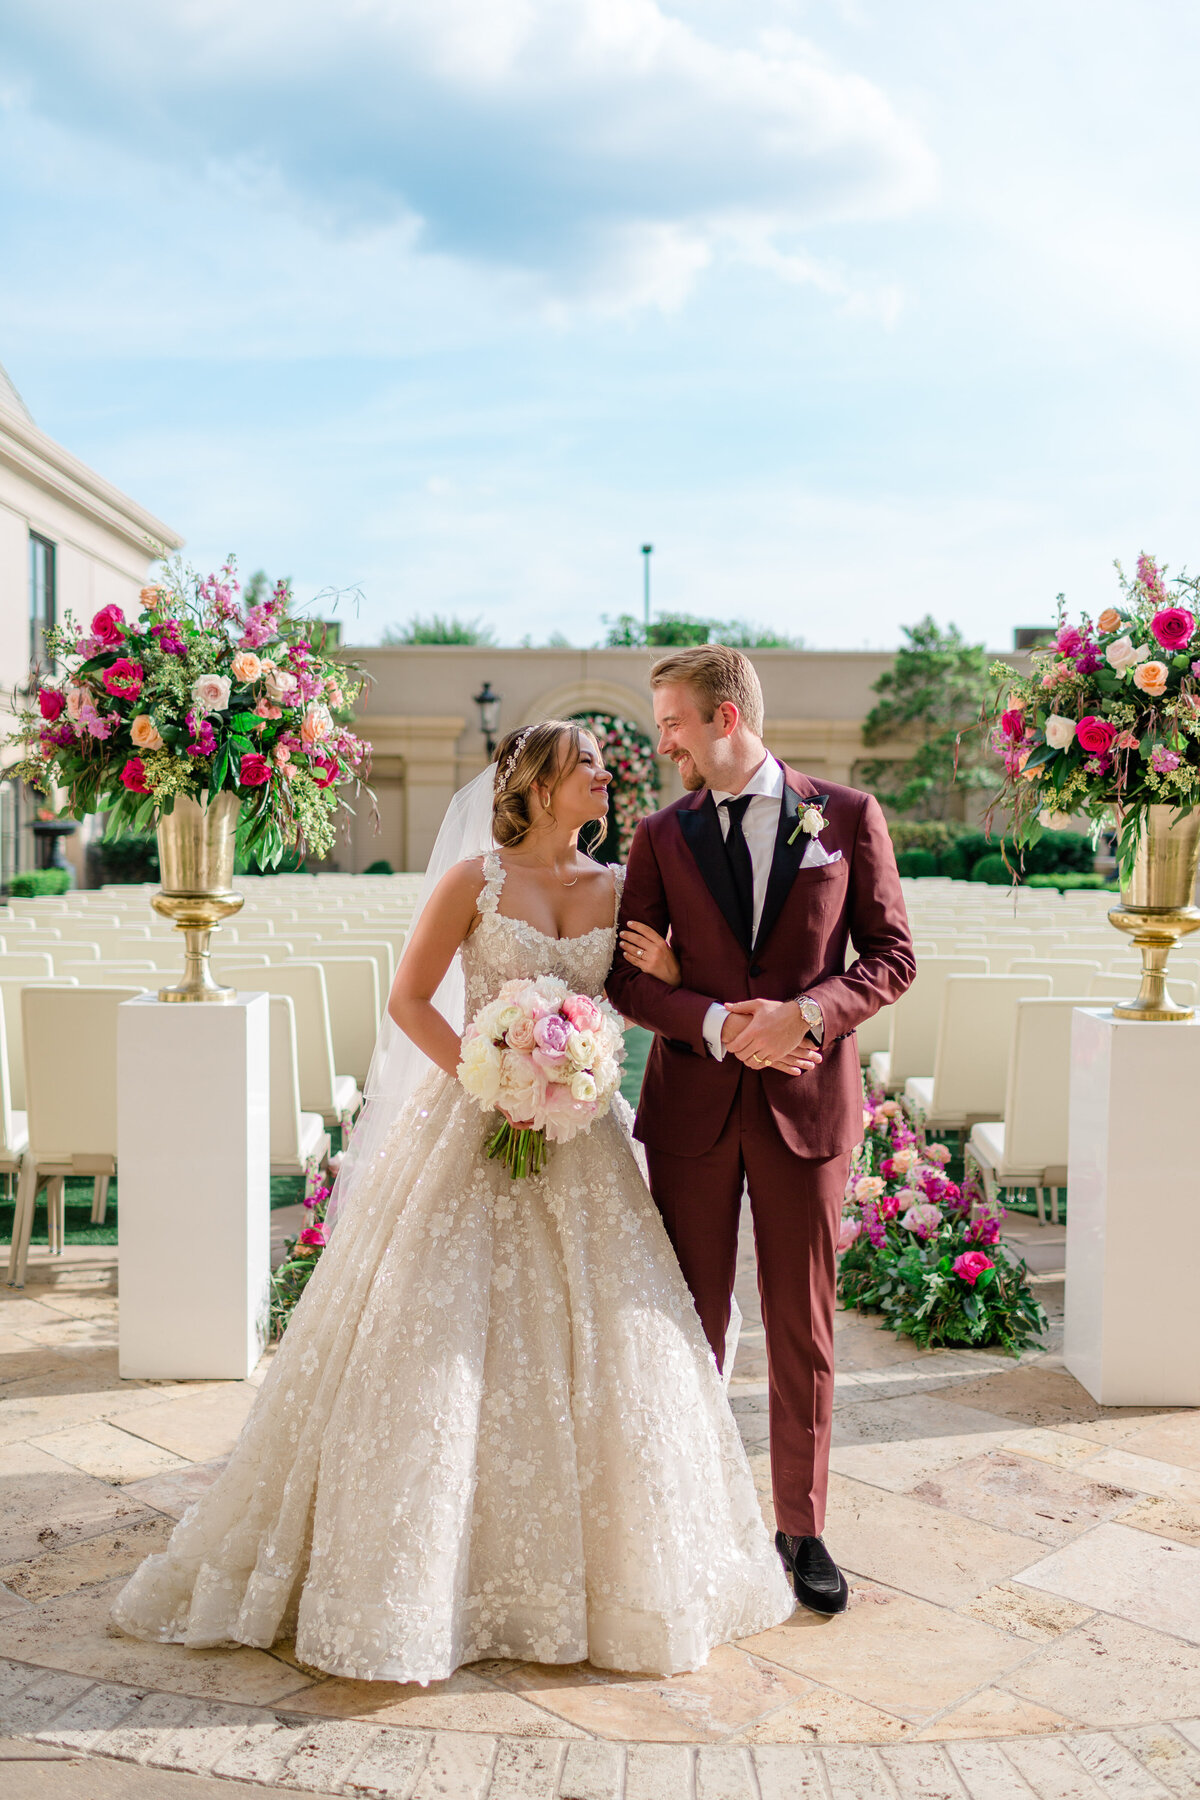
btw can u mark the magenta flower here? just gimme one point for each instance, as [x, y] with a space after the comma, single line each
[1150, 576]
[108, 627]
[92, 722]
[970, 1266]
[169, 640]
[204, 738]
[124, 678]
[313, 1234]
[51, 704]
[1012, 724]
[1174, 627]
[985, 1229]
[1069, 640]
[1163, 761]
[1089, 659]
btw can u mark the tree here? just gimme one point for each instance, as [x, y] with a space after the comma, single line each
[436, 630]
[672, 629]
[933, 691]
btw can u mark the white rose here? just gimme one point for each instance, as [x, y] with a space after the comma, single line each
[506, 1018]
[211, 693]
[520, 1090]
[581, 1048]
[280, 682]
[479, 1070]
[582, 1086]
[1059, 731]
[812, 820]
[1122, 655]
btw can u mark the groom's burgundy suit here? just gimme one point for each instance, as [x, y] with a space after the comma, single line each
[709, 1126]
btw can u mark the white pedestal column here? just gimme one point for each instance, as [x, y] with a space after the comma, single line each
[1133, 1211]
[193, 1167]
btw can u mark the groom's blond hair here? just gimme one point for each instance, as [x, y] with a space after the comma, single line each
[715, 673]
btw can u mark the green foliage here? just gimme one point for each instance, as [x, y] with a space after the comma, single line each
[35, 884]
[992, 869]
[380, 867]
[937, 835]
[127, 857]
[933, 692]
[671, 630]
[918, 862]
[1067, 881]
[913, 1285]
[437, 630]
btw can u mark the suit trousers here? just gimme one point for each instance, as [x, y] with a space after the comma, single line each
[796, 1207]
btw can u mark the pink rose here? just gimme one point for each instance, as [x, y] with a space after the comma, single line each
[211, 693]
[265, 710]
[1096, 736]
[851, 1229]
[550, 1035]
[1174, 628]
[254, 770]
[246, 666]
[123, 679]
[1012, 724]
[313, 1235]
[521, 1036]
[970, 1266]
[133, 776]
[50, 704]
[581, 1012]
[315, 725]
[108, 627]
[888, 1206]
[924, 1220]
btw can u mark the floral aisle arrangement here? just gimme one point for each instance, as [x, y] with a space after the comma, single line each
[550, 1058]
[925, 1252]
[1109, 718]
[197, 694]
[629, 753]
[301, 1255]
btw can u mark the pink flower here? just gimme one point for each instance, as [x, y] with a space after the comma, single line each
[254, 770]
[323, 768]
[108, 627]
[1069, 640]
[123, 679]
[1128, 740]
[888, 1206]
[265, 710]
[210, 693]
[520, 1036]
[1174, 627]
[169, 640]
[1150, 576]
[313, 1234]
[1163, 761]
[851, 1229]
[550, 1035]
[985, 1229]
[280, 682]
[938, 1153]
[133, 776]
[581, 1012]
[1095, 735]
[51, 704]
[92, 722]
[315, 725]
[259, 626]
[970, 1266]
[1089, 659]
[204, 738]
[1012, 724]
[924, 1220]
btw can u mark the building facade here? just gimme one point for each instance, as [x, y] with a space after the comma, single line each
[69, 542]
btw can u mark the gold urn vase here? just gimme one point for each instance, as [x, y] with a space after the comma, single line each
[1156, 907]
[195, 854]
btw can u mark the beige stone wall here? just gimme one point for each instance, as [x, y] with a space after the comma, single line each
[422, 721]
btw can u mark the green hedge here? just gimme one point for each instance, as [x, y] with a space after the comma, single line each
[918, 862]
[925, 834]
[992, 869]
[1069, 880]
[1055, 853]
[33, 884]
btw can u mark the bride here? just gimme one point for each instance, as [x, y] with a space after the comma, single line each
[494, 1427]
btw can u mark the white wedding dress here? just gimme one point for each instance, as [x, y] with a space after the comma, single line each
[493, 1428]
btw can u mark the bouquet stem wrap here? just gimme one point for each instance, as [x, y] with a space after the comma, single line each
[522, 1148]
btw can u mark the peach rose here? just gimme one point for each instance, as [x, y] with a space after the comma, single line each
[282, 756]
[246, 666]
[1109, 620]
[151, 597]
[519, 1035]
[265, 710]
[315, 725]
[1151, 677]
[144, 733]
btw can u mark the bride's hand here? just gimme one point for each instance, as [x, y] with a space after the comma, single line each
[650, 954]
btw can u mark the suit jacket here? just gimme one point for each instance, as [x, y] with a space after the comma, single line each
[679, 879]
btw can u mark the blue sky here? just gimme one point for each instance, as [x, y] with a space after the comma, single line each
[855, 310]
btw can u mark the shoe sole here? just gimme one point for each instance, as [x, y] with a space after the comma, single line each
[828, 1604]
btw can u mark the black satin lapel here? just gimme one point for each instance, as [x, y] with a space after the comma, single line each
[785, 860]
[702, 833]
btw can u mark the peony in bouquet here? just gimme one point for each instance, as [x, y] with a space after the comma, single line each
[550, 1058]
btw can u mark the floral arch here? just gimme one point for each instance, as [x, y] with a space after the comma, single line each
[629, 753]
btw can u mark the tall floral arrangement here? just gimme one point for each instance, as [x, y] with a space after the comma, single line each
[197, 692]
[925, 1251]
[1108, 720]
[629, 753]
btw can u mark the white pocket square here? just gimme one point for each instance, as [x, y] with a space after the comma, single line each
[817, 855]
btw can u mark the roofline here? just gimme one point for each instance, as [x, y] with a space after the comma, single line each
[27, 449]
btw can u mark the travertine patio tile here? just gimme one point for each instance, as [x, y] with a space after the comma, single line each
[109, 1453]
[83, 1564]
[825, 1717]
[1167, 1755]
[1171, 1438]
[986, 1772]
[18, 1312]
[90, 1333]
[894, 1652]
[920, 1549]
[466, 1702]
[71, 1633]
[1165, 1518]
[789, 1772]
[197, 1426]
[921, 1772]
[44, 1503]
[731, 1691]
[1144, 1474]
[1051, 1446]
[1151, 1580]
[1017, 1493]
[325, 1755]
[10, 1601]
[82, 1305]
[1110, 1672]
[38, 1697]
[1033, 1396]
[525, 1770]
[995, 1713]
[896, 1443]
[1114, 1766]
[1052, 1770]
[174, 1493]
[1114, 1425]
[391, 1764]
[458, 1767]
[857, 1774]
[27, 1411]
[1027, 1614]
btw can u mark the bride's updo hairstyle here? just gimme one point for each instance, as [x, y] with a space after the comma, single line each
[537, 756]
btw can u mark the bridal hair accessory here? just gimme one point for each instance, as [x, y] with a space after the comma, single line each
[510, 761]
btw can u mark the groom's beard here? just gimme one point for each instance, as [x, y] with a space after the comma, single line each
[690, 775]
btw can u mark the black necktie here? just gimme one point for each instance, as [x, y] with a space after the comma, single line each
[738, 852]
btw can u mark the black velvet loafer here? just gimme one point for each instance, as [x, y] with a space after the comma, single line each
[819, 1583]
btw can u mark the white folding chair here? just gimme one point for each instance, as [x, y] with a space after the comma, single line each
[299, 1141]
[971, 1068]
[37, 965]
[914, 1020]
[10, 1003]
[322, 1090]
[1066, 977]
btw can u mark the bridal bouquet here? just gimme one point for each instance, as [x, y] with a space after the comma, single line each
[548, 1057]
[199, 689]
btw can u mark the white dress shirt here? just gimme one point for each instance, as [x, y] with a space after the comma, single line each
[760, 827]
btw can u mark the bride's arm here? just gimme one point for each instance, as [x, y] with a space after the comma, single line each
[438, 933]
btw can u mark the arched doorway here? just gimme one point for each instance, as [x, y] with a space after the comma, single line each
[629, 754]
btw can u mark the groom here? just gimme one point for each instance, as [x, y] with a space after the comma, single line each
[764, 880]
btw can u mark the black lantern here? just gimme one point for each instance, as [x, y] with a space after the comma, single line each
[489, 716]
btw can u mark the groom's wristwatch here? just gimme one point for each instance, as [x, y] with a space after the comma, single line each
[813, 1017]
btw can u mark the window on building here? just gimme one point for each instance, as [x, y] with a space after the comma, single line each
[41, 598]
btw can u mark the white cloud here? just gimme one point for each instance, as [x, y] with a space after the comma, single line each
[607, 148]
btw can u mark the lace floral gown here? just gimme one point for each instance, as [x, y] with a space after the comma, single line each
[493, 1426]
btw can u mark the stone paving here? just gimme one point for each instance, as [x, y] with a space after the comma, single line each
[1025, 1616]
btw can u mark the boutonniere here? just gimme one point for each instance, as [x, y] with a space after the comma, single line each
[812, 820]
